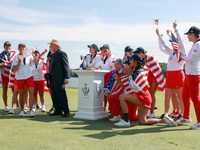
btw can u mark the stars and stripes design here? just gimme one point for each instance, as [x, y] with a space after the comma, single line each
[112, 86]
[140, 80]
[11, 79]
[108, 87]
[125, 80]
[155, 21]
[7, 61]
[176, 46]
[117, 89]
[155, 68]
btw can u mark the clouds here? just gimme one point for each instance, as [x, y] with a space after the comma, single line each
[92, 32]
[13, 13]
[115, 23]
[36, 24]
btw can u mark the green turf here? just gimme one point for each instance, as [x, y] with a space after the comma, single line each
[55, 132]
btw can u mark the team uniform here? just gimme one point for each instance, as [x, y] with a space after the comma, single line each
[87, 62]
[24, 75]
[5, 71]
[191, 83]
[106, 64]
[138, 82]
[175, 75]
[38, 76]
[114, 104]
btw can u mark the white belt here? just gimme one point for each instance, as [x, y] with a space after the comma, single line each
[192, 74]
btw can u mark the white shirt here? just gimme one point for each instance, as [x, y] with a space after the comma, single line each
[24, 71]
[37, 71]
[108, 65]
[192, 66]
[173, 64]
[87, 63]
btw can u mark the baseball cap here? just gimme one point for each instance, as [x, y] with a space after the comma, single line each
[37, 51]
[126, 62]
[128, 49]
[137, 58]
[21, 44]
[119, 61]
[94, 46]
[138, 50]
[194, 30]
[105, 45]
[7, 43]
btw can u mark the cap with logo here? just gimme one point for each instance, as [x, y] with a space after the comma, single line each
[137, 58]
[7, 43]
[194, 30]
[138, 50]
[94, 46]
[21, 44]
[118, 61]
[105, 45]
[128, 49]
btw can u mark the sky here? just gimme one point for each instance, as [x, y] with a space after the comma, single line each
[78, 23]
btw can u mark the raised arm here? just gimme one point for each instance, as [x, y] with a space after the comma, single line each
[162, 44]
[182, 48]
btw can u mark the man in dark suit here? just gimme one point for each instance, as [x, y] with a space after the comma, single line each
[59, 70]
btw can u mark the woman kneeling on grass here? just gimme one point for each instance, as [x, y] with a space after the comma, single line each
[141, 98]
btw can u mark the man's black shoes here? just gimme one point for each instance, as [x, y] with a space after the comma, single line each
[66, 114]
[56, 113]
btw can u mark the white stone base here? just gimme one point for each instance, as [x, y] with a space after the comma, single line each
[90, 94]
[89, 113]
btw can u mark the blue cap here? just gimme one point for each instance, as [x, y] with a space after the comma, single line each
[118, 61]
[194, 30]
[21, 44]
[138, 50]
[135, 57]
[7, 43]
[105, 45]
[94, 46]
[128, 49]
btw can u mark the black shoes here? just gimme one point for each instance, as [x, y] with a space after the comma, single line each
[55, 113]
[162, 116]
[66, 114]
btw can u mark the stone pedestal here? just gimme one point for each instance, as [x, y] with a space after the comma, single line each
[90, 94]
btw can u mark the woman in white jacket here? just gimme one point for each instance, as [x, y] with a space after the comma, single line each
[90, 60]
[192, 79]
[175, 75]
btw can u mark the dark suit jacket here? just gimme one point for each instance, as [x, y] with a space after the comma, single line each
[59, 68]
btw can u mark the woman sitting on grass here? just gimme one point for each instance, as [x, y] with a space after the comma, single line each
[141, 98]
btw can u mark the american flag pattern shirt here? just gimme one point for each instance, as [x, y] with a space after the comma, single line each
[138, 81]
[7, 61]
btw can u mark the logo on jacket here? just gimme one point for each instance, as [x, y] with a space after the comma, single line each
[85, 90]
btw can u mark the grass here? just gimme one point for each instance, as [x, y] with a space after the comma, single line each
[55, 132]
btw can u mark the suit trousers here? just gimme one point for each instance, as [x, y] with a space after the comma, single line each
[59, 98]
